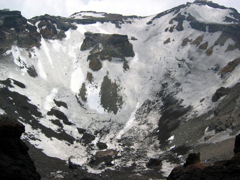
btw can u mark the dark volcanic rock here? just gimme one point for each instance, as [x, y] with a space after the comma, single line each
[52, 27]
[102, 145]
[14, 29]
[83, 92]
[116, 19]
[237, 144]
[175, 10]
[154, 163]
[60, 115]
[87, 138]
[81, 131]
[60, 103]
[171, 111]
[179, 18]
[111, 100]
[193, 159]
[95, 63]
[194, 169]
[72, 165]
[106, 47]
[15, 162]
[185, 41]
[230, 66]
[32, 71]
[104, 156]
[114, 45]
[219, 93]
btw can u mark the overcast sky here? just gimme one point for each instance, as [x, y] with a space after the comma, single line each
[31, 8]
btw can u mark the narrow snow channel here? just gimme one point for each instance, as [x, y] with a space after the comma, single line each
[129, 123]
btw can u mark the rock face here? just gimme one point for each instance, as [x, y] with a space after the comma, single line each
[17, 30]
[52, 27]
[113, 47]
[111, 100]
[194, 169]
[14, 29]
[15, 162]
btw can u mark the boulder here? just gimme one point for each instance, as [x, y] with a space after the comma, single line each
[102, 145]
[193, 162]
[154, 163]
[109, 152]
[104, 156]
[87, 138]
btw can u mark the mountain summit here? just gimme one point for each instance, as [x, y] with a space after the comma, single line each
[107, 92]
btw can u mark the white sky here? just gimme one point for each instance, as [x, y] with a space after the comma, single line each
[31, 8]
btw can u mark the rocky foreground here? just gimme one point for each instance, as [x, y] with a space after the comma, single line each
[194, 169]
[15, 163]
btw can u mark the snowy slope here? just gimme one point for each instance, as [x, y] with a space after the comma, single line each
[160, 59]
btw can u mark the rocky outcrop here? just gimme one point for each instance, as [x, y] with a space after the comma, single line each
[194, 169]
[52, 27]
[113, 47]
[230, 66]
[220, 93]
[154, 163]
[117, 19]
[167, 41]
[14, 29]
[17, 30]
[105, 157]
[59, 115]
[111, 100]
[15, 163]
[185, 41]
[87, 138]
[102, 145]
[176, 10]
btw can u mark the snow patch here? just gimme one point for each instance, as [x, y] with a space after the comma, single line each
[171, 139]
[129, 123]
[207, 14]
[77, 79]
[46, 50]
[93, 98]
[49, 99]
[84, 15]
[41, 71]
[2, 112]
[167, 167]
